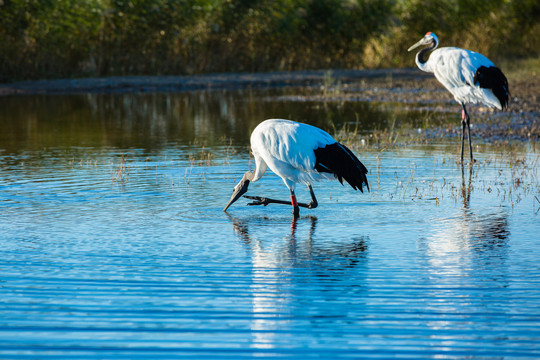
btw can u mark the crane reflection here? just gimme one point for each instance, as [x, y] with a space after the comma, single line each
[466, 255]
[459, 241]
[297, 268]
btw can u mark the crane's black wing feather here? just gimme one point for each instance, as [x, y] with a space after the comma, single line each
[337, 159]
[493, 78]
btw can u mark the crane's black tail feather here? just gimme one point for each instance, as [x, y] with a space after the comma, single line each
[337, 159]
[493, 78]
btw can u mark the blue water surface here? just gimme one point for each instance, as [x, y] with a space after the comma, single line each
[114, 245]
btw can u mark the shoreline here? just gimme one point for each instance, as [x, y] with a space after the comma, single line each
[409, 87]
[221, 81]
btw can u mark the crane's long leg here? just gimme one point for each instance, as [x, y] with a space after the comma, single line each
[466, 122]
[469, 135]
[296, 205]
[313, 203]
[463, 125]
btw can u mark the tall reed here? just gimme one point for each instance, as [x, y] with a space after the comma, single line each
[73, 38]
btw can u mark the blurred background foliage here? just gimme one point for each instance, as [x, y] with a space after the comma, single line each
[74, 38]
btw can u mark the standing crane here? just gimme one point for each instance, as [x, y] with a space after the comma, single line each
[469, 76]
[298, 153]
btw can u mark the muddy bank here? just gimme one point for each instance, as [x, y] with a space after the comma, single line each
[409, 87]
[520, 121]
[228, 81]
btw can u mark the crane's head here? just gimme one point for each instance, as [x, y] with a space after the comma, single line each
[428, 39]
[240, 189]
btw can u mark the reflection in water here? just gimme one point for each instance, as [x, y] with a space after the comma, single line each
[486, 231]
[284, 270]
[146, 121]
[297, 251]
[456, 240]
[154, 120]
[466, 258]
[466, 189]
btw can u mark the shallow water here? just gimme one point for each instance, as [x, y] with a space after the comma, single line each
[114, 243]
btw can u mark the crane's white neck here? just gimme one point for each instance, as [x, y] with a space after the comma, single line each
[248, 175]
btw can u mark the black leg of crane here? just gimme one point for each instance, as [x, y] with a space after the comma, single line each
[469, 135]
[313, 203]
[258, 200]
[466, 121]
[295, 209]
[463, 125]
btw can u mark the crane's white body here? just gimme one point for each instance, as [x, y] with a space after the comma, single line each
[298, 153]
[471, 77]
[287, 148]
[455, 69]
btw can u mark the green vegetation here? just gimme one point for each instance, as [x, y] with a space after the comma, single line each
[521, 70]
[73, 38]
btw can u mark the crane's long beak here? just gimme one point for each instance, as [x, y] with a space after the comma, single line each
[423, 41]
[239, 190]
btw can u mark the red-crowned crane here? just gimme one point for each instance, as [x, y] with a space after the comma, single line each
[469, 76]
[298, 153]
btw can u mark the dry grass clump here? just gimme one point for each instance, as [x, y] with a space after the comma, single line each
[120, 171]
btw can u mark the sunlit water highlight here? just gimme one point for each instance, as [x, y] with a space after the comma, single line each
[125, 258]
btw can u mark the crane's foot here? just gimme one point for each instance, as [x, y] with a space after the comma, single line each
[259, 200]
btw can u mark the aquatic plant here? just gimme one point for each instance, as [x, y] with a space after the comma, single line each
[120, 171]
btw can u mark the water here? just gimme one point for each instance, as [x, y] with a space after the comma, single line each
[114, 243]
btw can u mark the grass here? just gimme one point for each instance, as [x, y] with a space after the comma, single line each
[508, 175]
[67, 38]
[521, 69]
[120, 171]
[517, 175]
